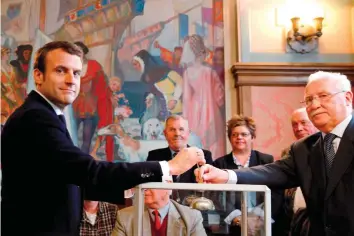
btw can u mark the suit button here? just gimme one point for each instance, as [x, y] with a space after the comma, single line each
[142, 175]
[147, 175]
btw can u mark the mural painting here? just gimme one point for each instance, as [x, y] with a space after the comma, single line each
[139, 68]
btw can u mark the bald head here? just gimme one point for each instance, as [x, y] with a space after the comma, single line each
[301, 124]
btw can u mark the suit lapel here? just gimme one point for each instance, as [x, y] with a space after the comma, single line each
[343, 158]
[253, 159]
[174, 225]
[318, 177]
[230, 163]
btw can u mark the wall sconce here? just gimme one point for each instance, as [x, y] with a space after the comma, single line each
[303, 38]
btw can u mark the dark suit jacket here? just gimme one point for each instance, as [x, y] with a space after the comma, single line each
[329, 203]
[44, 176]
[164, 154]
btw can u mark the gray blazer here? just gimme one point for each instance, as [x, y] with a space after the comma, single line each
[182, 221]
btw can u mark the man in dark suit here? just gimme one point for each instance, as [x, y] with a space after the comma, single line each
[177, 133]
[322, 164]
[44, 175]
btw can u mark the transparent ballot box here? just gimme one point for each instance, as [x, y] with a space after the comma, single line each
[213, 201]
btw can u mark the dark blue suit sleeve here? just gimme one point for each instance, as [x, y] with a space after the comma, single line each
[68, 164]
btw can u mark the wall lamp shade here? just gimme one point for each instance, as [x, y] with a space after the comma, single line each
[303, 38]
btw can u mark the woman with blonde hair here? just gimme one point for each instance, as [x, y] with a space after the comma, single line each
[241, 131]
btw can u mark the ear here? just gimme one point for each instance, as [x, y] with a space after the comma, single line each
[349, 97]
[38, 77]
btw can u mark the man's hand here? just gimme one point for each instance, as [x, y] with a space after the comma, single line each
[186, 159]
[210, 174]
[254, 223]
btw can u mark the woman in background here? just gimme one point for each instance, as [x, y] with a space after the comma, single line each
[241, 131]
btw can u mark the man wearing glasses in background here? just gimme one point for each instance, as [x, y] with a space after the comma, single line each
[322, 164]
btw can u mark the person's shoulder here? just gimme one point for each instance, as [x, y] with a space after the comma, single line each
[156, 153]
[127, 211]
[307, 141]
[206, 152]
[110, 206]
[208, 156]
[221, 160]
[265, 157]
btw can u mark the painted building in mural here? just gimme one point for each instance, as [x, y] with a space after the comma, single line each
[139, 68]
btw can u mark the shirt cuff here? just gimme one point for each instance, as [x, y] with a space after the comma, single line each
[165, 170]
[232, 177]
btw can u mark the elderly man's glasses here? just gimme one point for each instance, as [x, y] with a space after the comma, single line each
[323, 97]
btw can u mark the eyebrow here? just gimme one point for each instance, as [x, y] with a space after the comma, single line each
[66, 68]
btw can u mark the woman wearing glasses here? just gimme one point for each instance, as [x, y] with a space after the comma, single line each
[241, 131]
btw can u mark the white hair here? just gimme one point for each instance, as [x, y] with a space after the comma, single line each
[302, 109]
[342, 82]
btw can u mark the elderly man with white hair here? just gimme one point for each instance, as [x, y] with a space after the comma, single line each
[322, 164]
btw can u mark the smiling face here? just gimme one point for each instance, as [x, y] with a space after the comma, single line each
[241, 138]
[177, 133]
[60, 82]
[328, 113]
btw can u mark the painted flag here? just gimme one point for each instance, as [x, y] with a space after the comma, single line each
[183, 26]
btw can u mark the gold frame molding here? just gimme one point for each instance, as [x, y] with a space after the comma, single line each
[284, 74]
[278, 74]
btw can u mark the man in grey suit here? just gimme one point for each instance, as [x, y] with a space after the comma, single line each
[322, 164]
[162, 216]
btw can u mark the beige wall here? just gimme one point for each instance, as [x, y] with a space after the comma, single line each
[253, 33]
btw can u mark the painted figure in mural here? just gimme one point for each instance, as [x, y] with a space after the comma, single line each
[10, 88]
[119, 101]
[21, 65]
[121, 111]
[205, 95]
[93, 107]
[218, 63]
[164, 83]
[173, 59]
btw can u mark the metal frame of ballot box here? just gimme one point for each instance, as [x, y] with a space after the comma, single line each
[139, 200]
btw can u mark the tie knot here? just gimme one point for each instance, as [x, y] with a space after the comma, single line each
[156, 213]
[62, 118]
[328, 138]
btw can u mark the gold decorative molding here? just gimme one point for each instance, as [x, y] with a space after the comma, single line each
[284, 74]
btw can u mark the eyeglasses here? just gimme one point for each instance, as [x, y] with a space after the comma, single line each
[323, 97]
[243, 135]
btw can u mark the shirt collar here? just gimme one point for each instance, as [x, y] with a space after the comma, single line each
[163, 211]
[340, 128]
[172, 152]
[57, 110]
[239, 163]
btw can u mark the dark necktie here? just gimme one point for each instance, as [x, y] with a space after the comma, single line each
[157, 220]
[329, 151]
[62, 118]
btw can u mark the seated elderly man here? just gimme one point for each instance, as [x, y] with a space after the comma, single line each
[162, 216]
